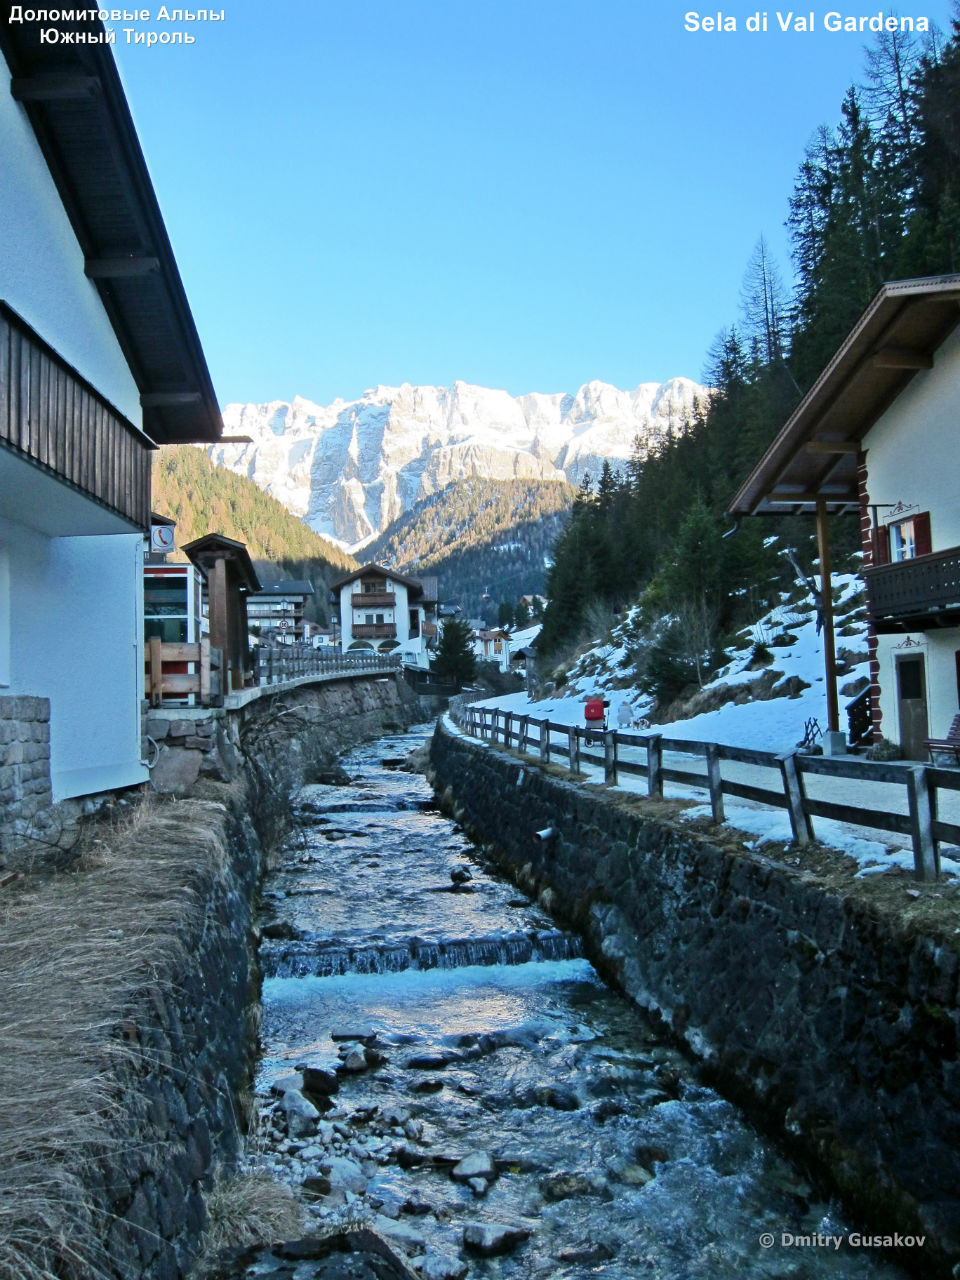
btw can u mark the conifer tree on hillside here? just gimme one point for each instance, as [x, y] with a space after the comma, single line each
[875, 199]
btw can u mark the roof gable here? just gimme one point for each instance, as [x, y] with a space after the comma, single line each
[814, 456]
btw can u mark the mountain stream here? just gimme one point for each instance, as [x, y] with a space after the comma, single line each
[442, 1064]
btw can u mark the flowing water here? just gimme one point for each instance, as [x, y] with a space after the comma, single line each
[445, 1016]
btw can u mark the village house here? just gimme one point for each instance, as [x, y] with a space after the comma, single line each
[386, 611]
[877, 434]
[99, 363]
[276, 611]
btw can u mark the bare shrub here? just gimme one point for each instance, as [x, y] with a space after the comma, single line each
[248, 1208]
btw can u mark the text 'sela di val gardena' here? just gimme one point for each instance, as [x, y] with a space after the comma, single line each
[791, 20]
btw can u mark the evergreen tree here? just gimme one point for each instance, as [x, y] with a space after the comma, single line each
[454, 658]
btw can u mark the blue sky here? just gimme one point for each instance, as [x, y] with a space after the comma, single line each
[518, 193]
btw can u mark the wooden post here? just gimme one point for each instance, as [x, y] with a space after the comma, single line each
[715, 781]
[800, 823]
[921, 800]
[610, 757]
[545, 741]
[155, 673]
[507, 728]
[524, 735]
[573, 749]
[654, 745]
[826, 597]
[204, 665]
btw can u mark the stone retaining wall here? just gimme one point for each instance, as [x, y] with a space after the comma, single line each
[24, 760]
[192, 1051]
[832, 1020]
[187, 1040]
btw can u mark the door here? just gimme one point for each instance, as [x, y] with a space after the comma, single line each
[912, 705]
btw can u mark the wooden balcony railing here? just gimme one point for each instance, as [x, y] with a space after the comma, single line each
[53, 416]
[374, 600]
[917, 592]
[375, 631]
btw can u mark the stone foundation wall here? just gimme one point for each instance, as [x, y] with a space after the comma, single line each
[314, 722]
[24, 761]
[832, 1020]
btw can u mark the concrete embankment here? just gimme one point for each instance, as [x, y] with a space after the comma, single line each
[134, 996]
[824, 1008]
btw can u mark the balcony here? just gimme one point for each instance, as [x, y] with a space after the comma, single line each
[375, 631]
[54, 417]
[374, 600]
[914, 595]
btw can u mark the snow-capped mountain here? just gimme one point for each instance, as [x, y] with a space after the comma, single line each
[350, 468]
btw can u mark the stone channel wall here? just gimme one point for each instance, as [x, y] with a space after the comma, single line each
[189, 1058]
[833, 1022]
[24, 759]
[187, 1039]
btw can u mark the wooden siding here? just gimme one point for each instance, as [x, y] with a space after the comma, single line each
[49, 413]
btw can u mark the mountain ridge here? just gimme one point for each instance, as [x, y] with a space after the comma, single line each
[351, 468]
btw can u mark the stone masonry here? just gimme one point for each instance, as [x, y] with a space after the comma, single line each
[832, 1018]
[24, 762]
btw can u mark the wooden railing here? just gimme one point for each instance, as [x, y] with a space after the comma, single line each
[373, 599]
[917, 587]
[572, 744]
[181, 671]
[375, 631]
[279, 663]
[52, 415]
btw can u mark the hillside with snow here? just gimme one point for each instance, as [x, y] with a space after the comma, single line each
[351, 468]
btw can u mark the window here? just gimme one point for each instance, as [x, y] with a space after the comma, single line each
[903, 539]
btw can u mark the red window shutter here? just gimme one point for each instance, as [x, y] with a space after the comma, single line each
[881, 545]
[921, 533]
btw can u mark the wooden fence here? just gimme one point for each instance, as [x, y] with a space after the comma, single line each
[575, 745]
[182, 670]
[279, 663]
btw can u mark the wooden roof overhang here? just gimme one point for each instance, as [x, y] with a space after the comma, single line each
[814, 458]
[78, 111]
[206, 551]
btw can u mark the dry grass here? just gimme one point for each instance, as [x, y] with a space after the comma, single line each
[75, 950]
[245, 1209]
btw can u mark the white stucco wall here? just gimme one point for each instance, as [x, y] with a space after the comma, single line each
[938, 649]
[76, 637]
[912, 453]
[913, 449]
[41, 265]
[399, 615]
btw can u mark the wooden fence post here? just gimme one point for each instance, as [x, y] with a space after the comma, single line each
[155, 673]
[545, 741]
[921, 800]
[524, 735]
[507, 728]
[573, 748]
[204, 665]
[610, 757]
[793, 789]
[715, 781]
[654, 745]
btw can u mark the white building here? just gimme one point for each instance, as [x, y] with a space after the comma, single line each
[99, 362]
[388, 612]
[877, 434]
